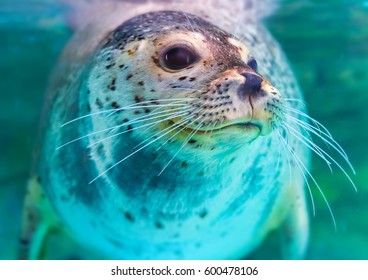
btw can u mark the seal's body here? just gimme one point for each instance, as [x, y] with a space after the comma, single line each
[163, 139]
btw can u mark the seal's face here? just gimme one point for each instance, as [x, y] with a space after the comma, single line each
[206, 78]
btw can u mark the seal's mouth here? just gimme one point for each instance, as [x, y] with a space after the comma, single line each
[235, 127]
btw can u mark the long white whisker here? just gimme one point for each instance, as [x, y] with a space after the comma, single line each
[334, 144]
[331, 158]
[315, 148]
[296, 100]
[175, 125]
[172, 116]
[287, 155]
[131, 154]
[133, 106]
[180, 130]
[185, 142]
[140, 119]
[154, 115]
[317, 123]
[300, 165]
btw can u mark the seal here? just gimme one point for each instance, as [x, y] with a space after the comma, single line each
[168, 137]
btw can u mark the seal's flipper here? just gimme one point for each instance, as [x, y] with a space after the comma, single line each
[42, 234]
[39, 222]
[295, 231]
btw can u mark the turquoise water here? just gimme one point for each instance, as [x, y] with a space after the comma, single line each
[327, 45]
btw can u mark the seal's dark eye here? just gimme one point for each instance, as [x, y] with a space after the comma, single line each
[252, 63]
[179, 57]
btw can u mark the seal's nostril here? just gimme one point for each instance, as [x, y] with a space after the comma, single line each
[253, 82]
[252, 85]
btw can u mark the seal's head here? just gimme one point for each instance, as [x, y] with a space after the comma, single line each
[186, 76]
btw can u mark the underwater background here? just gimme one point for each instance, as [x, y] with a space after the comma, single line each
[327, 45]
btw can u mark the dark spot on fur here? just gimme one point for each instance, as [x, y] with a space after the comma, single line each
[182, 78]
[192, 141]
[130, 128]
[141, 83]
[156, 61]
[116, 243]
[125, 120]
[121, 66]
[112, 87]
[184, 164]
[100, 150]
[99, 103]
[159, 225]
[138, 99]
[146, 110]
[137, 112]
[203, 213]
[129, 76]
[109, 66]
[192, 79]
[152, 90]
[115, 105]
[129, 217]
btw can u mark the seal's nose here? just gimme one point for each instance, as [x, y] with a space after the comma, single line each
[253, 82]
[252, 85]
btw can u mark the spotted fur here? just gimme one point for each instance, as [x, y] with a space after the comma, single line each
[210, 176]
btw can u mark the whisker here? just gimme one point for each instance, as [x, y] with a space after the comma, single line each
[175, 125]
[130, 155]
[190, 24]
[296, 100]
[287, 155]
[326, 154]
[181, 129]
[153, 115]
[140, 119]
[133, 106]
[315, 148]
[317, 123]
[335, 145]
[185, 142]
[172, 116]
[302, 167]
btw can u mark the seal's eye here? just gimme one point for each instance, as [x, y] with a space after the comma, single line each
[252, 63]
[179, 57]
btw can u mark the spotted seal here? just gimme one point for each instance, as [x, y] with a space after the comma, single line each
[170, 135]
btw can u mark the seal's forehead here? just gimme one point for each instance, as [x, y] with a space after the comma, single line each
[150, 24]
